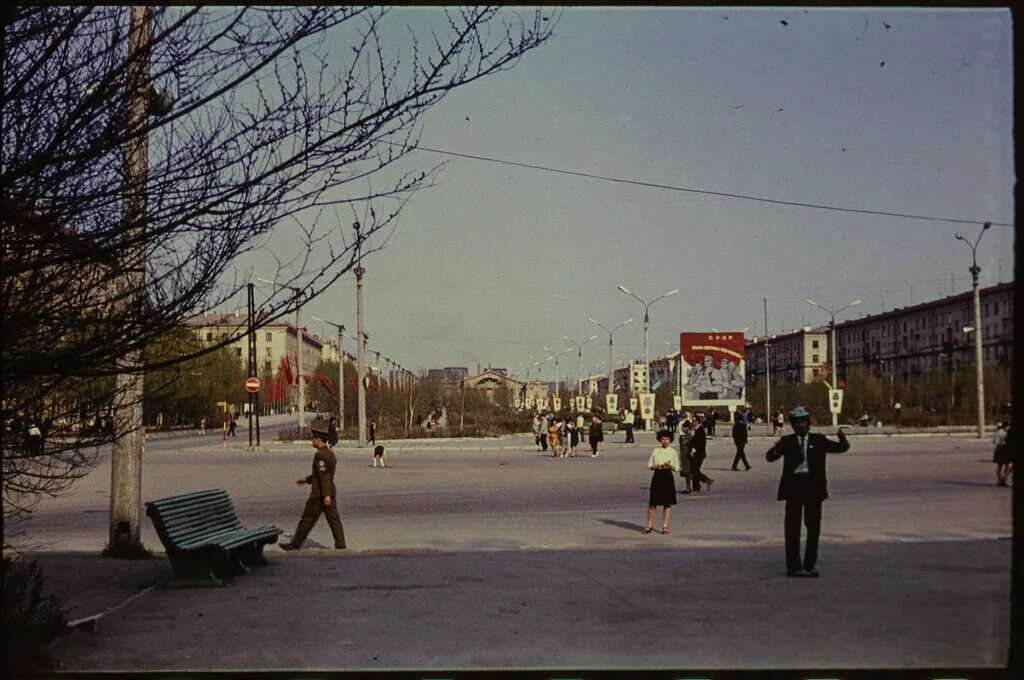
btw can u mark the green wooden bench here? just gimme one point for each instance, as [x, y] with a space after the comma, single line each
[204, 539]
[609, 427]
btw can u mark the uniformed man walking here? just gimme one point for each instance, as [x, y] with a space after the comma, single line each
[803, 486]
[322, 496]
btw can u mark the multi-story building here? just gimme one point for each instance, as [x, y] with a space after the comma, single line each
[449, 374]
[273, 341]
[905, 342]
[797, 357]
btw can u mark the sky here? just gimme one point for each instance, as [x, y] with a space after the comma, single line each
[898, 111]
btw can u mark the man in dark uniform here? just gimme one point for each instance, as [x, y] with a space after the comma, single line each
[803, 486]
[698, 451]
[739, 437]
[322, 496]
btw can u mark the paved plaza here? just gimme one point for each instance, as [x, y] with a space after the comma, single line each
[477, 554]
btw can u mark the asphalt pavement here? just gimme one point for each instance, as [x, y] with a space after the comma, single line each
[487, 554]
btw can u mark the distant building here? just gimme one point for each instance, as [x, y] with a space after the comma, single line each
[904, 342]
[490, 383]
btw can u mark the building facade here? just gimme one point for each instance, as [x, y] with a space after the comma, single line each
[905, 342]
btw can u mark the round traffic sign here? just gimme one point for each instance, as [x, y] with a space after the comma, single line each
[252, 385]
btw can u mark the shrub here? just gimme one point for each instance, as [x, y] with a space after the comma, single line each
[31, 620]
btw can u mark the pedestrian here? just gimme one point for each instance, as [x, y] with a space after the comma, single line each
[685, 466]
[698, 452]
[373, 433]
[553, 427]
[712, 422]
[322, 496]
[803, 486]
[380, 456]
[628, 420]
[896, 407]
[332, 432]
[232, 424]
[777, 424]
[202, 425]
[574, 438]
[1001, 454]
[563, 436]
[536, 430]
[543, 433]
[596, 436]
[739, 437]
[664, 460]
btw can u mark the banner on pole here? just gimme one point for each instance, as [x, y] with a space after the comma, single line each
[632, 403]
[612, 402]
[647, 406]
[677, 402]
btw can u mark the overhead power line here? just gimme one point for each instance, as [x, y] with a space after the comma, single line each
[724, 194]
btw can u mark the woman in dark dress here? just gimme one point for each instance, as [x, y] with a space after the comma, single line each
[664, 461]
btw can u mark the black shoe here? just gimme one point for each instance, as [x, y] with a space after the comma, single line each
[288, 546]
[748, 467]
[794, 573]
[812, 572]
[736, 469]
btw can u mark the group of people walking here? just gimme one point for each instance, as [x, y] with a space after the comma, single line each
[562, 434]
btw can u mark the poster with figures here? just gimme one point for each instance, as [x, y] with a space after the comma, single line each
[612, 402]
[714, 371]
[632, 404]
[557, 401]
[647, 406]
[589, 403]
[579, 403]
[677, 402]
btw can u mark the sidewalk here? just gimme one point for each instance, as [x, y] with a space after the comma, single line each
[551, 609]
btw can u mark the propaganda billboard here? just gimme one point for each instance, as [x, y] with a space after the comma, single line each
[714, 370]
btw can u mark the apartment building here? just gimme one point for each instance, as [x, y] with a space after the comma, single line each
[905, 342]
[273, 341]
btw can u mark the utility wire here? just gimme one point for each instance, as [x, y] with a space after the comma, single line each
[725, 194]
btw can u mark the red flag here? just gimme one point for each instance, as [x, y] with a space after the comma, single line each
[286, 370]
[326, 382]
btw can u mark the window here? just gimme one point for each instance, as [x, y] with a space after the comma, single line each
[239, 351]
[270, 337]
[268, 352]
[814, 372]
[267, 366]
[814, 358]
[209, 336]
[814, 344]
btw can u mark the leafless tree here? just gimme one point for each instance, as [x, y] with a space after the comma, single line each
[280, 118]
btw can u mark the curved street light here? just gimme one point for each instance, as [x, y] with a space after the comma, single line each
[555, 355]
[611, 383]
[579, 358]
[647, 306]
[832, 312]
[978, 357]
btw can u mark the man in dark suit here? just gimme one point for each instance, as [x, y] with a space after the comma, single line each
[698, 452]
[803, 486]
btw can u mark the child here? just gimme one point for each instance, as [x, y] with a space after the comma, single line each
[380, 455]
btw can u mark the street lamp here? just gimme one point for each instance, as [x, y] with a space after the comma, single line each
[341, 372]
[835, 367]
[579, 357]
[555, 355]
[978, 359]
[647, 306]
[611, 386]
[360, 345]
[300, 338]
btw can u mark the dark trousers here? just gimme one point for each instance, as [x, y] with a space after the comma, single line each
[809, 511]
[695, 474]
[740, 456]
[594, 443]
[629, 433]
[311, 513]
[543, 441]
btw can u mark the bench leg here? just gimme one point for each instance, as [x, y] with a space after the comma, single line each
[235, 565]
[192, 570]
[252, 555]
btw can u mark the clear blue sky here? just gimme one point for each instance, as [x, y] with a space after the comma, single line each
[495, 261]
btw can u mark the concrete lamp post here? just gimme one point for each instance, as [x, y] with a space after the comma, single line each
[978, 355]
[611, 331]
[647, 307]
[832, 323]
[579, 357]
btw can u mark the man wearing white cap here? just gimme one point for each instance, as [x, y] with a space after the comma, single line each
[803, 486]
